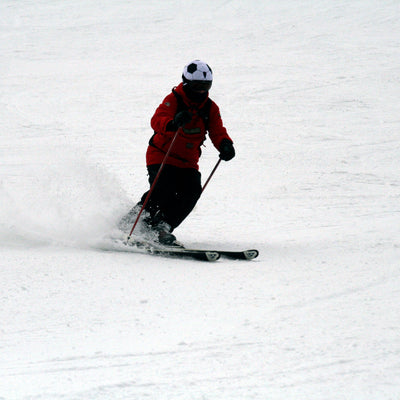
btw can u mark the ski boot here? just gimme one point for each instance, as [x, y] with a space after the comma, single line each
[164, 235]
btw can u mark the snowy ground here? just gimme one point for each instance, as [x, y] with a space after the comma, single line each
[309, 91]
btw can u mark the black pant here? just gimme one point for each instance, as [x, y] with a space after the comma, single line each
[174, 195]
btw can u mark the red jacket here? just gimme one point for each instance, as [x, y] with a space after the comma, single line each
[187, 147]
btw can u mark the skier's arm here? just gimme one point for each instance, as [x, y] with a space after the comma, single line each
[164, 115]
[219, 136]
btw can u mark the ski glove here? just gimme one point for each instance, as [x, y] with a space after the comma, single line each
[182, 118]
[226, 150]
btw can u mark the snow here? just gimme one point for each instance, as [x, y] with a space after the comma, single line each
[309, 91]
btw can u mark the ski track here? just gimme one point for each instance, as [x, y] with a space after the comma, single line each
[309, 93]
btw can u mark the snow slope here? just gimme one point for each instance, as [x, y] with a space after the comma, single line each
[309, 91]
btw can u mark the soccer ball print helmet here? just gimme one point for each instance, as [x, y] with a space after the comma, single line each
[198, 76]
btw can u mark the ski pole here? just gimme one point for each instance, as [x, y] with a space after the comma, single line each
[154, 183]
[212, 173]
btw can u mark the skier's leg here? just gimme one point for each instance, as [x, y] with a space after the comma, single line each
[188, 191]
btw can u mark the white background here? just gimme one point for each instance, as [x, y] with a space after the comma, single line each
[309, 92]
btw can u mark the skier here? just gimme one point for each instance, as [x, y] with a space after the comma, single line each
[189, 111]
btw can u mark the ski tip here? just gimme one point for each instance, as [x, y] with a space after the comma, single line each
[212, 255]
[251, 254]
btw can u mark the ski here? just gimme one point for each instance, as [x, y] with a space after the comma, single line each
[208, 254]
[205, 255]
[149, 247]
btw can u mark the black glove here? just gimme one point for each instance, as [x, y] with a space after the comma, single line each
[182, 118]
[226, 150]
